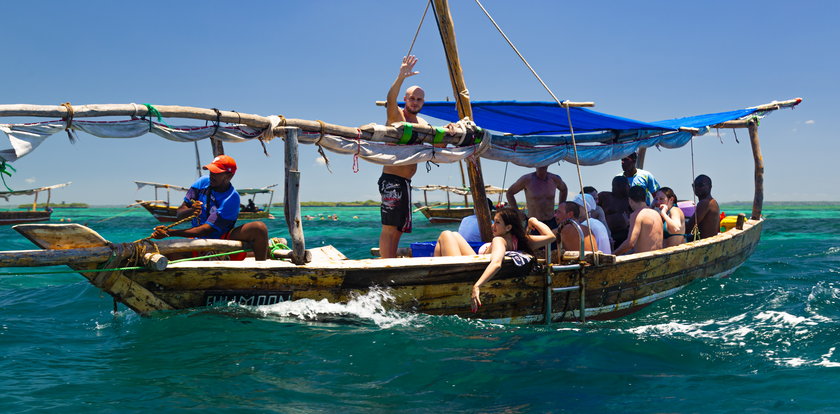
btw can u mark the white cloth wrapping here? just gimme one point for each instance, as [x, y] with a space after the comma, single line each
[24, 138]
[393, 154]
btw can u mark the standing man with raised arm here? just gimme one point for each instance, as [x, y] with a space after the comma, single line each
[395, 182]
[539, 187]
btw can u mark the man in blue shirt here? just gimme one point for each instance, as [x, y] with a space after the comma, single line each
[216, 204]
[637, 177]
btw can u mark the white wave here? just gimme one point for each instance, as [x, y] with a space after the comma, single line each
[785, 320]
[369, 306]
[825, 359]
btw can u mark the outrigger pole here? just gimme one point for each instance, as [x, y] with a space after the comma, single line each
[462, 99]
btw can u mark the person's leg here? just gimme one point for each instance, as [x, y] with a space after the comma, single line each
[389, 239]
[451, 243]
[256, 233]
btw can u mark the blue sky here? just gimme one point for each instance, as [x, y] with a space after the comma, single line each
[331, 60]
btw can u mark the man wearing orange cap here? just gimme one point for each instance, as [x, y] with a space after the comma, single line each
[216, 205]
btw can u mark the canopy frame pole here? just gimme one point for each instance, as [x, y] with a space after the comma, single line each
[446, 27]
[758, 198]
[291, 204]
[640, 161]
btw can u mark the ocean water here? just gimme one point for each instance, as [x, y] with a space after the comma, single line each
[763, 340]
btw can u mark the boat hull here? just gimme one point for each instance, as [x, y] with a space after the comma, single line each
[21, 217]
[169, 214]
[442, 285]
[443, 215]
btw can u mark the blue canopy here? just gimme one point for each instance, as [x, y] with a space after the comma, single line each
[537, 133]
[548, 118]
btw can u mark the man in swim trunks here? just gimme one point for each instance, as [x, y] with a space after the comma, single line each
[539, 187]
[395, 182]
[216, 202]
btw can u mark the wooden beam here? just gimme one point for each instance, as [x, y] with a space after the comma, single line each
[423, 133]
[758, 198]
[291, 204]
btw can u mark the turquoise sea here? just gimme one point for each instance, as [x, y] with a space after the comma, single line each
[763, 340]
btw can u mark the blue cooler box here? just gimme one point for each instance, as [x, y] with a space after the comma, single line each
[427, 249]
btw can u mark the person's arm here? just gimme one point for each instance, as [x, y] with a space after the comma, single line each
[498, 248]
[673, 223]
[545, 236]
[518, 186]
[628, 244]
[561, 188]
[392, 109]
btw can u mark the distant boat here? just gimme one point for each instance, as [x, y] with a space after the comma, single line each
[165, 211]
[442, 213]
[32, 215]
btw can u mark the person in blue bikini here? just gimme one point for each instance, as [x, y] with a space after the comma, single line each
[673, 227]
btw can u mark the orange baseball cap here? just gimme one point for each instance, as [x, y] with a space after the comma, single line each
[221, 164]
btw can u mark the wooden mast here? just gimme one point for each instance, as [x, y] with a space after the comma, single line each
[758, 198]
[462, 98]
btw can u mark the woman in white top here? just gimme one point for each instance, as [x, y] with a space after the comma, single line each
[508, 236]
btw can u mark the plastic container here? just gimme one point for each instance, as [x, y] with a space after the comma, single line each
[427, 249]
[687, 207]
[728, 223]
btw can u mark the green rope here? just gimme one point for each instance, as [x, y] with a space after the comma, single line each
[153, 112]
[3, 170]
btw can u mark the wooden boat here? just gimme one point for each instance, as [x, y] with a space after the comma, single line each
[164, 211]
[32, 215]
[581, 285]
[442, 213]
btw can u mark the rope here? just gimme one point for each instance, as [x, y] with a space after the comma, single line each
[358, 151]
[418, 28]
[320, 148]
[568, 109]
[69, 120]
[216, 123]
[194, 215]
[153, 112]
[517, 52]
[3, 170]
[504, 179]
[696, 230]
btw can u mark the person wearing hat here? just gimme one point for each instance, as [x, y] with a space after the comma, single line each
[596, 221]
[637, 177]
[215, 203]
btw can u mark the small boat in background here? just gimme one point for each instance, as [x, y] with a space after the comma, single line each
[166, 212]
[441, 213]
[32, 215]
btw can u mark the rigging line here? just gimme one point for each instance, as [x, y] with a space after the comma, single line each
[410, 48]
[695, 231]
[517, 52]
[580, 177]
[504, 179]
[568, 110]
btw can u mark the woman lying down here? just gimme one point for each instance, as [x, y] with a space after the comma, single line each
[509, 239]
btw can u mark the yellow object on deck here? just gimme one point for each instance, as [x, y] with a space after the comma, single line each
[728, 223]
